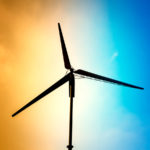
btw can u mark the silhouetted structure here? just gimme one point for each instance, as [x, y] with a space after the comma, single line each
[70, 77]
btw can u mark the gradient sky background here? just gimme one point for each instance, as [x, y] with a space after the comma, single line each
[107, 37]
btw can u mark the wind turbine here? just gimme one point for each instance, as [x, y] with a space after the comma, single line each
[70, 77]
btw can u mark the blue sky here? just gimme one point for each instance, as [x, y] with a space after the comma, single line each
[129, 25]
[118, 46]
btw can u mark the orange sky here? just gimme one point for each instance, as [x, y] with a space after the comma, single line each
[29, 48]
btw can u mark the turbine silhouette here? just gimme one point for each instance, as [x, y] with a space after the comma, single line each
[70, 77]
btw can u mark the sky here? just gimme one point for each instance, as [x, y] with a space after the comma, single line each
[107, 37]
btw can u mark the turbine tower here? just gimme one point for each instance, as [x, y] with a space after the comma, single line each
[71, 79]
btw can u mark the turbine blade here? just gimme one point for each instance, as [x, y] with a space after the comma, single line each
[64, 50]
[99, 77]
[47, 91]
